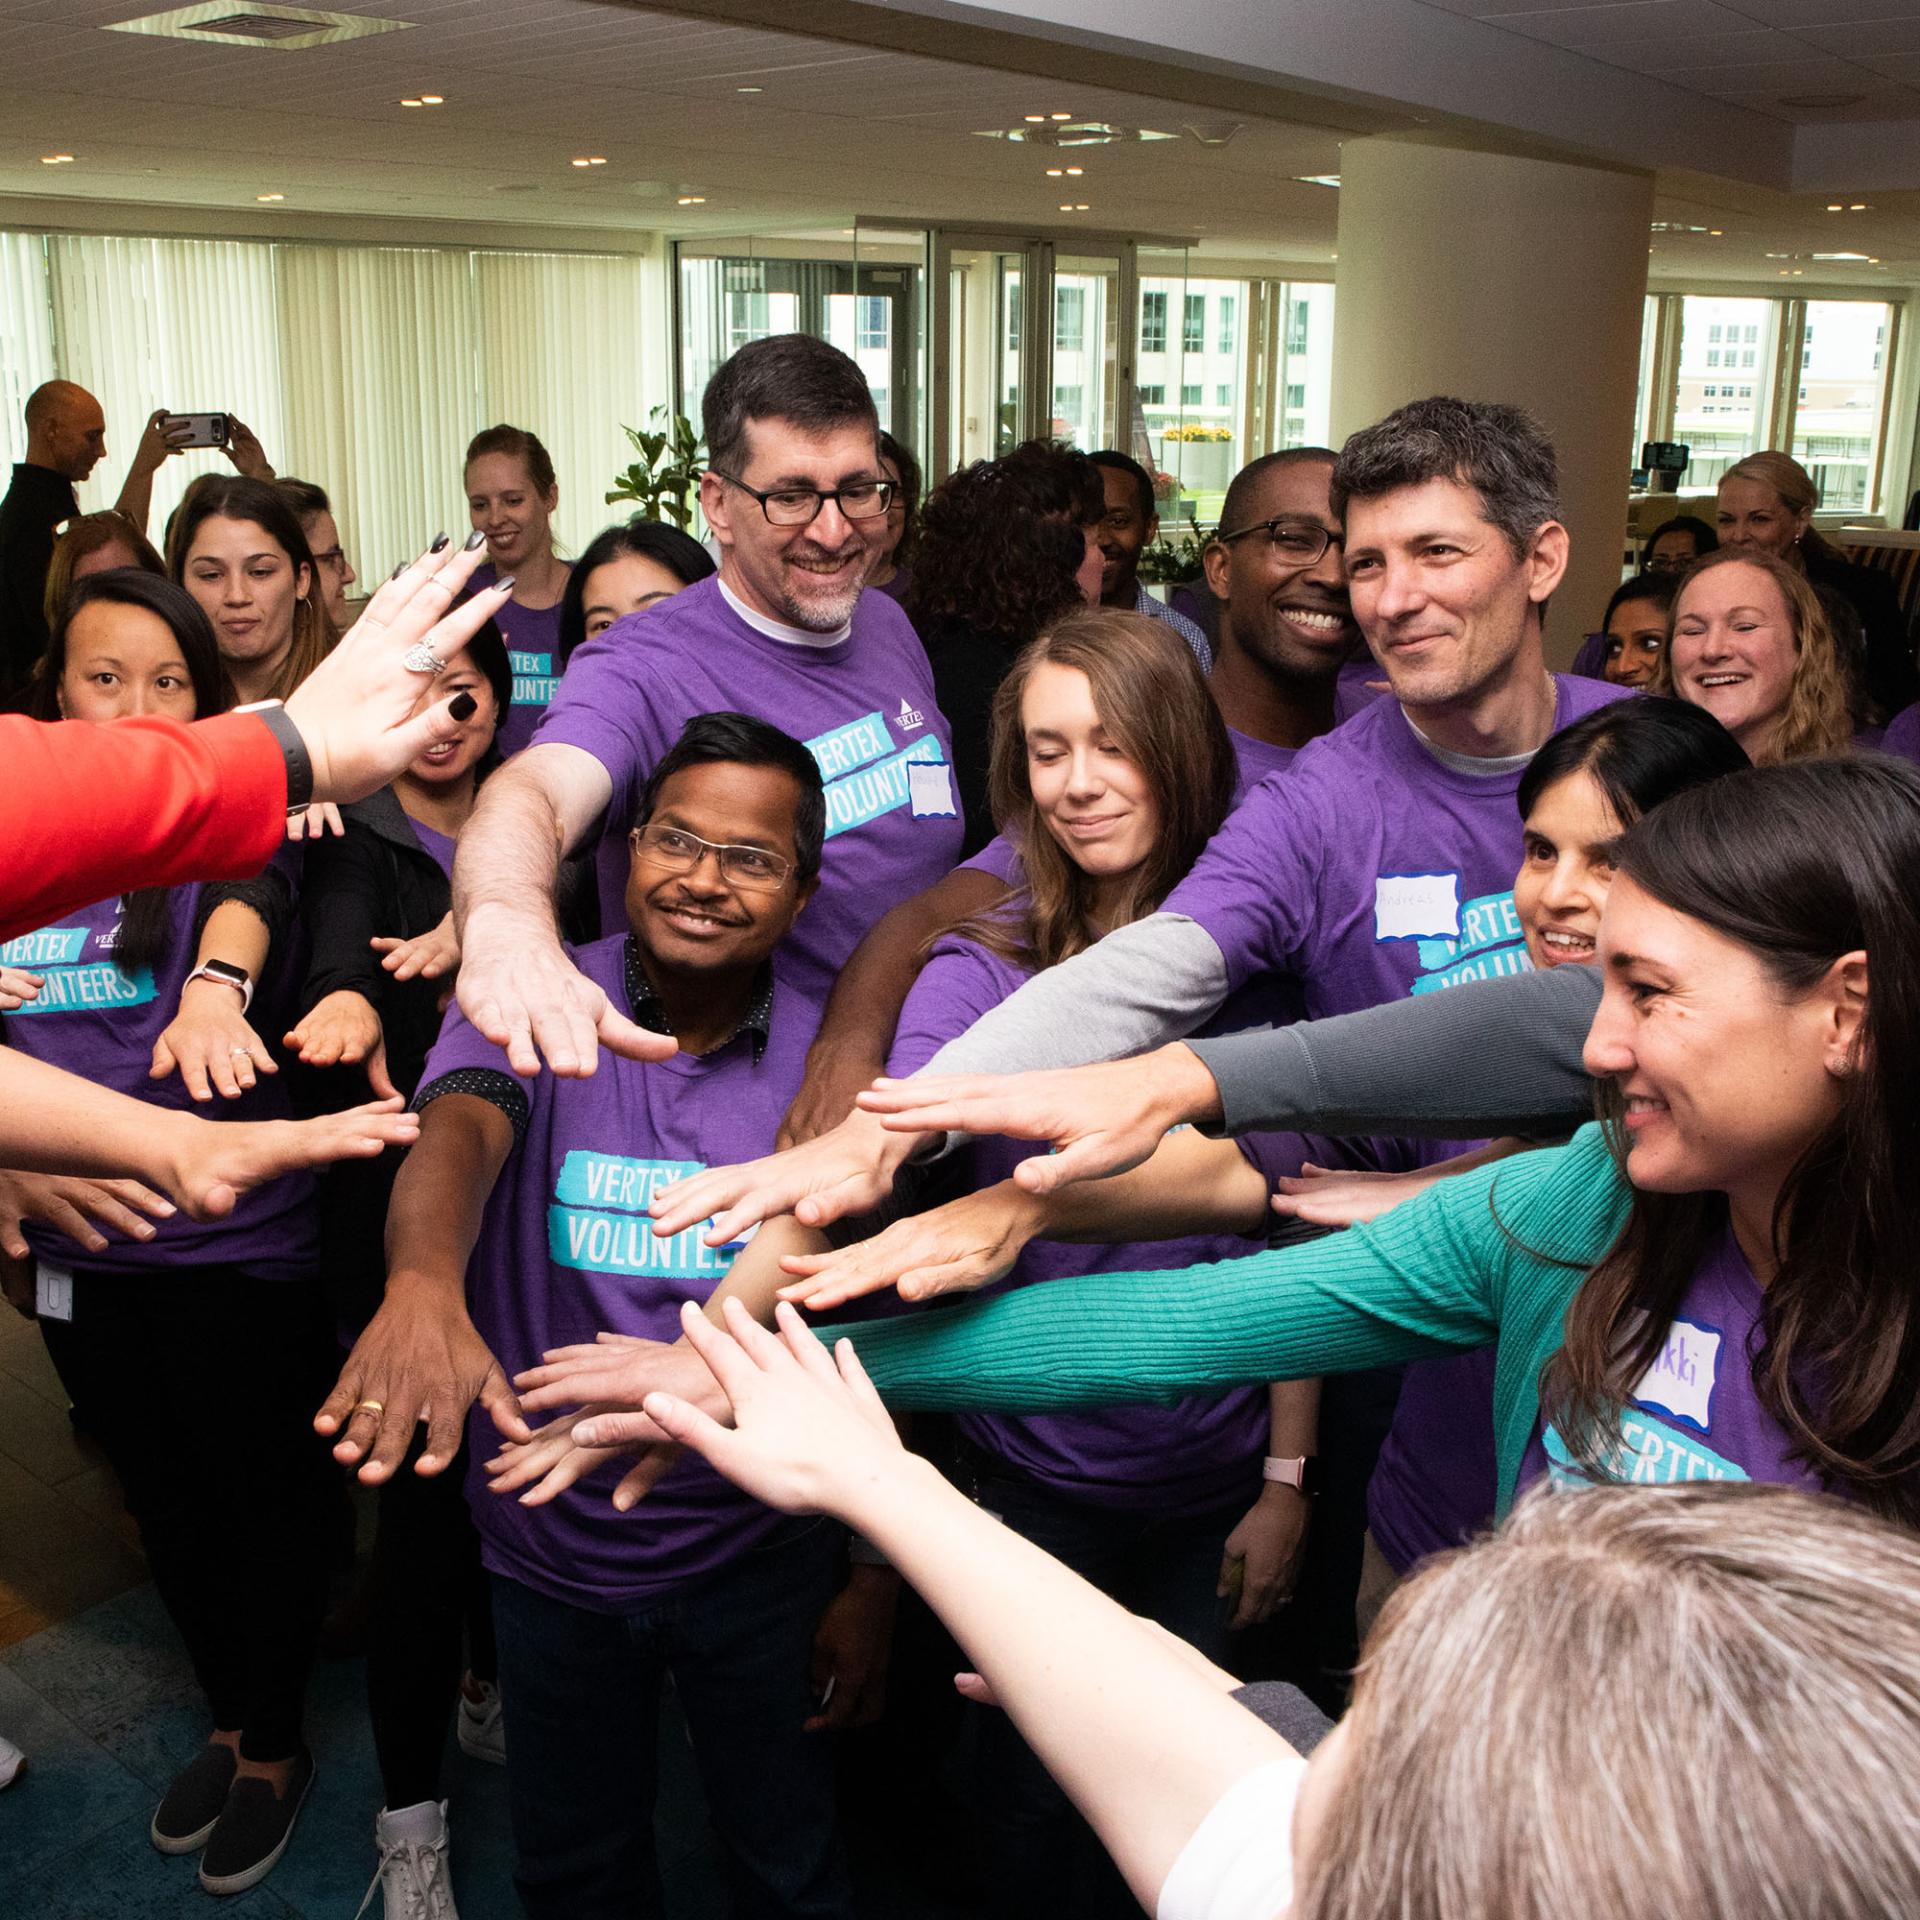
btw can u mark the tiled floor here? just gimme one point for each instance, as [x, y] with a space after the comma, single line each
[96, 1690]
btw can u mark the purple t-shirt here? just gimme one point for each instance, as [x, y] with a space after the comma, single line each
[1695, 1414]
[532, 635]
[864, 705]
[1903, 735]
[100, 1023]
[1185, 1458]
[437, 845]
[568, 1250]
[1370, 870]
[1359, 685]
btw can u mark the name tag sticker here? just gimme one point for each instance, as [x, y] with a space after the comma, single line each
[1680, 1381]
[52, 1292]
[1416, 906]
[930, 789]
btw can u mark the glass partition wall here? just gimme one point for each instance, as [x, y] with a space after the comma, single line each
[973, 340]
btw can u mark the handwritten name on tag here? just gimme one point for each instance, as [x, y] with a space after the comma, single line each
[1416, 906]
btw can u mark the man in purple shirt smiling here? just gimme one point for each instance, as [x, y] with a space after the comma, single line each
[781, 632]
[1378, 864]
[519, 1225]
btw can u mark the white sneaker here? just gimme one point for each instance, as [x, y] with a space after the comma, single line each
[12, 1762]
[413, 1877]
[483, 1733]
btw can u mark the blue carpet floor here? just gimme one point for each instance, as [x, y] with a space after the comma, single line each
[107, 1710]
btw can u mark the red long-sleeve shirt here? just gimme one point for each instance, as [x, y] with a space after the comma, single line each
[86, 810]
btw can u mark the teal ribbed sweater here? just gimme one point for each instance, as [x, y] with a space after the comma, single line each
[1435, 1275]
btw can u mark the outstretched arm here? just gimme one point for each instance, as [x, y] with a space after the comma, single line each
[1143, 1744]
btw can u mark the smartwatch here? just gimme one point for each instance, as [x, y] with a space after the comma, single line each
[293, 750]
[1302, 1474]
[228, 975]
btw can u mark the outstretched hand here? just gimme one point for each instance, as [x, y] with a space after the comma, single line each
[810, 1434]
[969, 1242]
[1102, 1119]
[355, 710]
[846, 1171]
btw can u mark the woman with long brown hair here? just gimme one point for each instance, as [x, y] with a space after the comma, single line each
[1110, 769]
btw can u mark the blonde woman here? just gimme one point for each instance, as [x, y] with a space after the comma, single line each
[1750, 643]
[1766, 505]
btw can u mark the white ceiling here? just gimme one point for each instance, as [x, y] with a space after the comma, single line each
[1807, 62]
[838, 129]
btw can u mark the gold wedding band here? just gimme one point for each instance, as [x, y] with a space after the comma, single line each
[371, 1406]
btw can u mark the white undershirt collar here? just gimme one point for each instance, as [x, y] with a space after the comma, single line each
[779, 630]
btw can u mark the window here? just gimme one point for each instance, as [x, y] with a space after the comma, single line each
[1709, 414]
[1223, 394]
[1153, 323]
[1067, 402]
[1069, 320]
[1190, 394]
[1193, 324]
[1296, 396]
[1751, 335]
[1297, 322]
[876, 322]
[1154, 395]
[1227, 317]
[1836, 426]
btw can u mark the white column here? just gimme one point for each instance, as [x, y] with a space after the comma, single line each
[1495, 278]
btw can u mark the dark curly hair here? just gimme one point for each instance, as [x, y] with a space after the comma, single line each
[1001, 542]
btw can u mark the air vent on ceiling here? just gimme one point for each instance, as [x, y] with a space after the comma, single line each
[243, 23]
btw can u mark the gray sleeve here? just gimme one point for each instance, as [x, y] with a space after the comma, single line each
[1487, 1057]
[1138, 988]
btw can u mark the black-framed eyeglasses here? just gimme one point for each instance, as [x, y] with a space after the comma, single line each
[800, 506]
[680, 852]
[1298, 542]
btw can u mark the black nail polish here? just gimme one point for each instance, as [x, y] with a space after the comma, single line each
[462, 706]
[397, 572]
[506, 585]
[440, 541]
[474, 539]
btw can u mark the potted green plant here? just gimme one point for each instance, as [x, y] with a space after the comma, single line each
[663, 481]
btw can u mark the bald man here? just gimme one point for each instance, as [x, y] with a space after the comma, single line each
[66, 439]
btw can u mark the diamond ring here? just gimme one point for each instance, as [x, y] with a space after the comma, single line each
[421, 658]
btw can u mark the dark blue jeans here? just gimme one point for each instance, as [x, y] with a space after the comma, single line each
[581, 1695]
[1038, 1859]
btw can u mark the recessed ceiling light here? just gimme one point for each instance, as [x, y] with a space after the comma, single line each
[1035, 119]
[269, 196]
[1054, 173]
[590, 160]
[1716, 233]
[1859, 206]
[1059, 116]
[433, 99]
[1066, 206]
[749, 89]
[1074, 173]
[56, 159]
[1833, 206]
[1081, 207]
[413, 103]
[691, 200]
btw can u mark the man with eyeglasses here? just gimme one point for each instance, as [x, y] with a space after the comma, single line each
[783, 633]
[519, 1225]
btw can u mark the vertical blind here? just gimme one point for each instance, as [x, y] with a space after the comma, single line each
[365, 369]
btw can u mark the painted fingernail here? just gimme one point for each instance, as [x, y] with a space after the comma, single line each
[461, 706]
[397, 572]
[440, 541]
[475, 539]
[504, 586]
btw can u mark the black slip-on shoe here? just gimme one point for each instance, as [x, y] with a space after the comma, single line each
[253, 1830]
[194, 1802]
